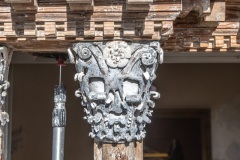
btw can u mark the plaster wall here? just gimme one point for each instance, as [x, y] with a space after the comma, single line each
[213, 86]
[33, 90]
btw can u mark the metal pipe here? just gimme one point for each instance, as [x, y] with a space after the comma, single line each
[58, 143]
[59, 122]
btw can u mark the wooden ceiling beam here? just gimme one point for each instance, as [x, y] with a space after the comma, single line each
[218, 11]
[23, 5]
[139, 1]
[194, 26]
[85, 5]
[18, 1]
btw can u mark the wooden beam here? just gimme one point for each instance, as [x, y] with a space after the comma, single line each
[148, 28]
[218, 12]
[81, 4]
[109, 29]
[112, 151]
[30, 29]
[79, 1]
[18, 1]
[23, 5]
[139, 1]
[89, 29]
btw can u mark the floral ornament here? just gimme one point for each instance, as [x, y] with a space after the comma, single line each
[149, 55]
[117, 54]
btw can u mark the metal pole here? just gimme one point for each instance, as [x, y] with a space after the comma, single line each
[59, 121]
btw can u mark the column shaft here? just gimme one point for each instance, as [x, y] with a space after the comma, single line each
[5, 59]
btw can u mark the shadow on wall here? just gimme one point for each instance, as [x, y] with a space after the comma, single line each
[226, 131]
[233, 151]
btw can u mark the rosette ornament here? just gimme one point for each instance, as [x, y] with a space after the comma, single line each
[117, 54]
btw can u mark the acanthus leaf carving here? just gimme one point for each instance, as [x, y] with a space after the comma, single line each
[115, 80]
[5, 58]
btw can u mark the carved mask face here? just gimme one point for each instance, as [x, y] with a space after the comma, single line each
[115, 80]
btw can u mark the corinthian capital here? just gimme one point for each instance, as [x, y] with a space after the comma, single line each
[115, 79]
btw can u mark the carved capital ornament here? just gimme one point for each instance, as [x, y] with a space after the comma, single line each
[5, 59]
[115, 79]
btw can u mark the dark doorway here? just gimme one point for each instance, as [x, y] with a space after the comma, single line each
[191, 129]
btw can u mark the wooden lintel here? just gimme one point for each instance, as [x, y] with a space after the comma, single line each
[79, 1]
[139, 1]
[23, 5]
[81, 4]
[18, 1]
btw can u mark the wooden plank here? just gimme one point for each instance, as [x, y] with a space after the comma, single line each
[29, 29]
[5, 9]
[138, 150]
[18, 1]
[204, 42]
[228, 25]
[151, 16]
[97, 151]
[9, 29]
[139, 1]
[54, 17]
[89, 29]
[70, 29]
[80, 7]
[6, 17]
[129, 29]
[52, 9]
[109, 8]
[148, 16]
[226, 32]
[81, 4]
[218, 12]
[219, 41]
[154, 7]
[79, 1]
[117, 32]
[235, 42]
[25, 6]
[50, 29]
[148, 28]
[100, 17]
[109, 29]
[132, 151]
[167, 28]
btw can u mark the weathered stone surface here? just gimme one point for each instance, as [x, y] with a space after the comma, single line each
[5, 58]
[115, 80]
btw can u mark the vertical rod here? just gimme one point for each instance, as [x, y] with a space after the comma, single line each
[59, 120]
[60, 74]
[58, 143]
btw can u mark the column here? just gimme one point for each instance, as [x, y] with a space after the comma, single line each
[115, 78]
[5, 59]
